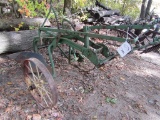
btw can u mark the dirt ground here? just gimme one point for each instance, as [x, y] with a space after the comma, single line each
[124, 89]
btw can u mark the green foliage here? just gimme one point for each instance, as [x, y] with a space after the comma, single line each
[111, 100]
[59, 7]
[127, 7]
[32, 27]
[17, 28]
[77, 4]
[32, 8]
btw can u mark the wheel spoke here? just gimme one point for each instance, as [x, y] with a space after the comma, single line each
[38, 72]
[40, 90]
[47, 94]
[31, 70]
[39, 86]
[38, 75]
[43, 96]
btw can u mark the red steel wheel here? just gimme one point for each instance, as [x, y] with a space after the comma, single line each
[40, 82]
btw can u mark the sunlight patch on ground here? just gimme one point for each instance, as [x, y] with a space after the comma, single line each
[147, 72]
[151, 57]
[131, 95]
[150, 116]
[152, 72]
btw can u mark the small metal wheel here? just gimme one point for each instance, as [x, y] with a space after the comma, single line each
[40, 83]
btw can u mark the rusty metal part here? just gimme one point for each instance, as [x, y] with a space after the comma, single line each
[20, 57]
[146, 34]
[122, 33]
[154, 48]
[40, 82]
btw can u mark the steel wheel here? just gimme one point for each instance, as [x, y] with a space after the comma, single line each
[40, 82]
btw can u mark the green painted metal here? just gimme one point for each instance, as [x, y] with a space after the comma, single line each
[155, 41]
[86, 38]
[88, 48]
[122, 27]
[77, 33]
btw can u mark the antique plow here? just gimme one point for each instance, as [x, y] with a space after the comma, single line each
[80, 45]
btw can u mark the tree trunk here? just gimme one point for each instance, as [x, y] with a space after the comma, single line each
[11, 24]
[143, 9]
[148, 8]
[123, 7]
[67, 7]
[16, 41]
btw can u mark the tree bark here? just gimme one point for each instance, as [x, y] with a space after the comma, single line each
[143, 9]
[16, 41]
[11, 24]
[148, 8]
[67, 7]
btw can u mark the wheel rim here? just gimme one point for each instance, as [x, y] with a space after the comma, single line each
[40, 82]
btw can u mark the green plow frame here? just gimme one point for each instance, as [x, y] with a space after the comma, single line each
[89, 49]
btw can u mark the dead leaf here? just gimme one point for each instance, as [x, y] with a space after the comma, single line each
[80, 100]
[55, 114]
[36, 117]
[29, 117]
[102, 77]
[102, 68]
[9, 83]
[8, 109]
[108, 76]
[122, 78]
[94, 117]
[2, 90]
[21, 93]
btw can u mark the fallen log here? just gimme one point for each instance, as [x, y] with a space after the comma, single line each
[11, 24]
[114, 19]
[90, 20]
[106, 13]
[93, 9]
[101, 5]
[106, 19]
[16, 41]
